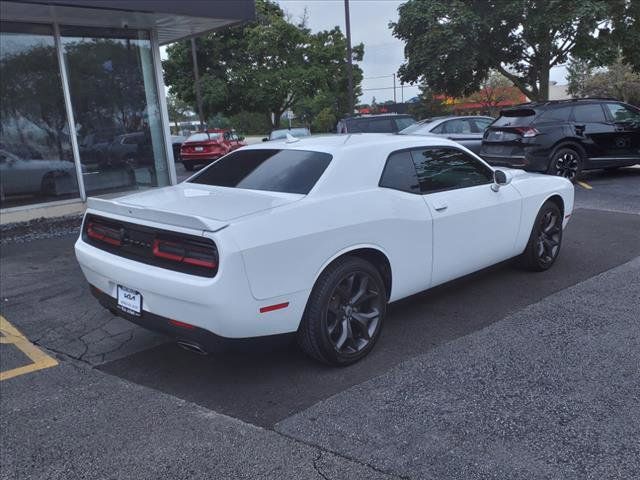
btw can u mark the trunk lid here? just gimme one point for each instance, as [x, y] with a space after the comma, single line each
[195, 206]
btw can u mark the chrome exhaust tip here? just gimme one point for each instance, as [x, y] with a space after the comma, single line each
[192, 347]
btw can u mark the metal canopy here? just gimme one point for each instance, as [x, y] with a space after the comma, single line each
[173, 20]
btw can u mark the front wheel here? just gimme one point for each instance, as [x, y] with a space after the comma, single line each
[567, 163]
[545, 239]
[345, 312]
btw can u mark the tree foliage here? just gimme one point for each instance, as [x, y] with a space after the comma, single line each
[617, 80]
[452, 45]
[267, 66]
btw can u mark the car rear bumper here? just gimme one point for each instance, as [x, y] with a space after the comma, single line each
[199, 158]
[525, 162]
[222, 306]
[193, 337]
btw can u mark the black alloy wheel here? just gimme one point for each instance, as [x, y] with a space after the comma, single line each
[566, 163]
[345, 312]
[353, 313]
[545, 240]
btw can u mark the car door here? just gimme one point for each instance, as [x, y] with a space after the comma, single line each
[626, 123]
[595, 132]
[473, 225]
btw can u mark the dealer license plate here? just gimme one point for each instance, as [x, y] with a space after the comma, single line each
[129, 301]
[199, 149]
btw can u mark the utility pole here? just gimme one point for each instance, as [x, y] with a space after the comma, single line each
[402, 91]
[349, 56]
[196, 75]
[394, 88]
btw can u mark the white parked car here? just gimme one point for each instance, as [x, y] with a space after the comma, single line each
[314, 236]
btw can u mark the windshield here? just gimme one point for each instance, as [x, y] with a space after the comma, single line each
[422, 128]
[287, 171]
[404, 122]
[295, 132]
[203, 137]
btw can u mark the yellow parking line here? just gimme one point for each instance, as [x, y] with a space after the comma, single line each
[585, 185]
[11, 335]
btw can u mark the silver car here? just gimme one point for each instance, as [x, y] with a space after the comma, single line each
[467, 131]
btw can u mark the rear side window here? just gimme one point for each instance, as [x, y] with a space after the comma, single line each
[447, 168]
[287, 171]
[515, 118]
[560, 114]
[399, 173]
[479, 125]
[588, 113]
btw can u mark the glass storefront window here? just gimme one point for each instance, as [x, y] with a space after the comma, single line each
[36, 160]
[116, 109]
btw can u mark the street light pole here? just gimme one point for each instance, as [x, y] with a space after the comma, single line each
[196, 75]
[349, 56]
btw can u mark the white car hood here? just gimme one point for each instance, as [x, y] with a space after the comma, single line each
[192, 205]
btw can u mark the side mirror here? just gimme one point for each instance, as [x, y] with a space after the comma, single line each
[241, 138]
[265, 139]
[500, 179]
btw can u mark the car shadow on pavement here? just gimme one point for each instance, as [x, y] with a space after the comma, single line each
[266, 385]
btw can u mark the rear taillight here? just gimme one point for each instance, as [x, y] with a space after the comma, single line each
[527, 132]
[104, 233]
[186, 252]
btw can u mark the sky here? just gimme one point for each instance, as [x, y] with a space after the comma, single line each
[383, 53]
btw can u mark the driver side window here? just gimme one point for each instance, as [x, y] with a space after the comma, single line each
[447, 168]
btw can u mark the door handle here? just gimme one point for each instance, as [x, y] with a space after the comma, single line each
[439, 206]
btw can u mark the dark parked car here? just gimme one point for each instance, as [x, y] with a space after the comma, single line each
[384, 123]
[565, 137]
[467, 131]
[176, 143]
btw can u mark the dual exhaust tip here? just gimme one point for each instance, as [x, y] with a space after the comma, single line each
[192, 347]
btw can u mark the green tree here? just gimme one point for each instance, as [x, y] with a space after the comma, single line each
[179, 111]
[617, 80]
[267, 66]
[452, 45]
[429, 105]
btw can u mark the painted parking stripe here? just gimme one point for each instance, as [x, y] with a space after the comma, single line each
[39, 359]
[585, 185]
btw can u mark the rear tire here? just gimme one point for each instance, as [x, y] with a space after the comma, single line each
[345, 312]
[566, 162]
[545, 239]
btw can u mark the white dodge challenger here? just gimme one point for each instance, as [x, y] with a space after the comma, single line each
[314, 236]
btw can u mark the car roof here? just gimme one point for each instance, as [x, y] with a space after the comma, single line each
[557, 103]
[334, 143]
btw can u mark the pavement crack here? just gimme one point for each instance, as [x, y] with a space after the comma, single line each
[316, 467]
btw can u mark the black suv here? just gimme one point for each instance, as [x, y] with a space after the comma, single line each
[383, 123]
[564, 137]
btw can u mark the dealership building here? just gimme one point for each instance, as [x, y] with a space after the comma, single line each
[83, 110]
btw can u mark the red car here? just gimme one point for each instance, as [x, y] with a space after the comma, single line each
[203, 148]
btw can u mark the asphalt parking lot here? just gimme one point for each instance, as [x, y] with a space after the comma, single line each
[502, 374]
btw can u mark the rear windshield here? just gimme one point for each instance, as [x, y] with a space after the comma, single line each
[515, 118]
[203, 137]
[287, 171]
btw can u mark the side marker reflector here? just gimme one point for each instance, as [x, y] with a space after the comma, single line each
[179, 324]
[271, 308]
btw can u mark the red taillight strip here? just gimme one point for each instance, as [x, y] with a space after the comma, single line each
[185, 258]
[179, 324]
[271, 308]
[92, 233]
